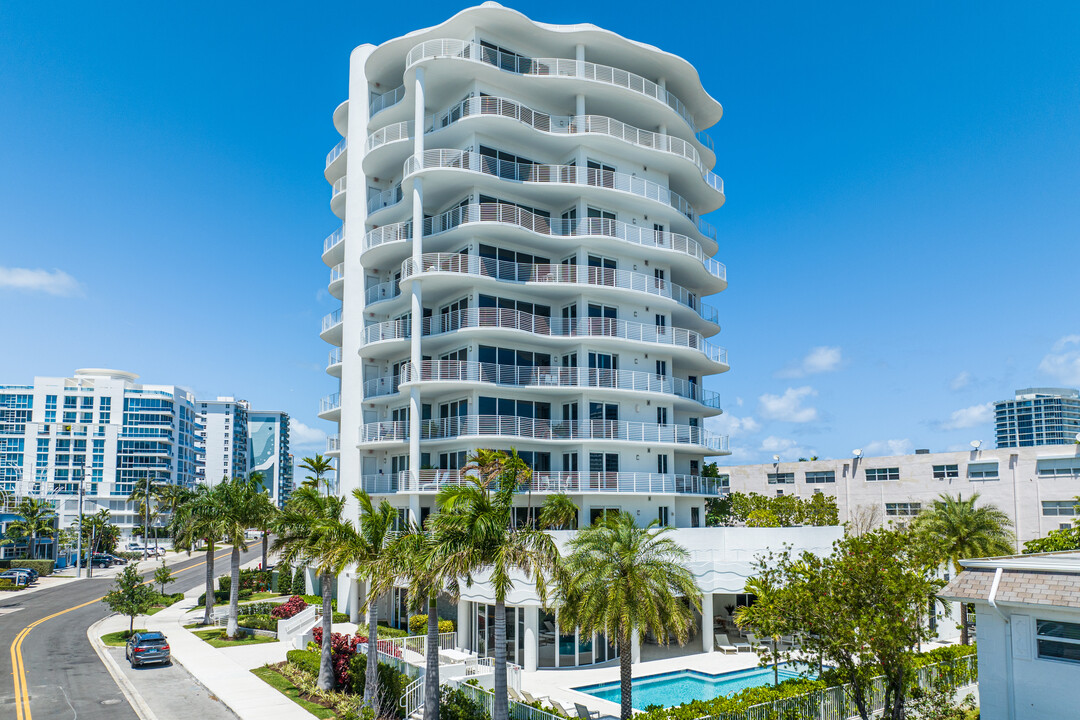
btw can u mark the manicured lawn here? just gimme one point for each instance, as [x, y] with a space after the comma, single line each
[264, 596]
[169, 600]
[272, 678]
[212, 636]
[118, 639]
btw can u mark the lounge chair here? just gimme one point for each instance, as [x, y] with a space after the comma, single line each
[723, 644]
[585, 713]
[533, 699]
[515, 695]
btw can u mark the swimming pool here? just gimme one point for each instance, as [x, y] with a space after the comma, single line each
[682, 686]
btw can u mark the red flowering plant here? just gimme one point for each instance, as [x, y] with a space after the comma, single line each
[342, 649]
[289, 608]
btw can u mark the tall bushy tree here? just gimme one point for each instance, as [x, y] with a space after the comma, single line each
[240, 507]
[130, 596]
[475, 531]
[957, 528]
[35, 520]
[618, 577]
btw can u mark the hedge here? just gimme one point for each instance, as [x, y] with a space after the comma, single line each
[43, 567]
[9, 585]
[306, 660]
[222, 596]
[258, 622]
[392, 684]
[456, 705]
[418, 625]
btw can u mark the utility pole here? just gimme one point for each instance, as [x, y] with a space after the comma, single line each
[146, 521]
[78, 550]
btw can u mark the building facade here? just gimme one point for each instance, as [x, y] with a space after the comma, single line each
[521, 264]
[1038, 416]
[224, 445]
[269, 441]
[1035, 486]
[100, 430]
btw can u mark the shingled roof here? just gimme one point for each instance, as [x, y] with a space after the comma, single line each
[1051, 579]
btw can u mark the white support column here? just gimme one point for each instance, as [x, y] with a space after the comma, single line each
[558, 636]
[532, 638]
[356, 599]
[417, 323]
[465, 612]
[707, 622]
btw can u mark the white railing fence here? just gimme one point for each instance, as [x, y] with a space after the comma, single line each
[554, 482]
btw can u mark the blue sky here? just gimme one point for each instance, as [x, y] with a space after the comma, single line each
[901, 228]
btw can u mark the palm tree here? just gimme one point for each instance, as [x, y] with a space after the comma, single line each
[263, 514]
[310, 531]
[35, 518]
[319, 466]
[200, 518]
[365, 547]
[620, 578]
[559, 512]
[958, 529]
[240, 506]
[474, 530]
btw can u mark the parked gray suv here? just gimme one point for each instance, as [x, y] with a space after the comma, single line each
[147, 647]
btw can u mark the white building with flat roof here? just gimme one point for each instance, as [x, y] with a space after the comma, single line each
[224, 446]
[268, 438]
[1035, 486]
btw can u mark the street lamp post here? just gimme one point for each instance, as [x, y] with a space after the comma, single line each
[146, 521]
[78, 546]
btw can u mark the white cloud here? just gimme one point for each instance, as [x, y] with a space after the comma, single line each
[788, 407]
[728, 424]
[303, 436]
[776, 444]
[1063, 363]
[969, 417]
[961, 381]
[818, 360]
[55, 282]
[889, 447]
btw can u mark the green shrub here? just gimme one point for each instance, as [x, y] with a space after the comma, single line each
[299, 585]
[258, 622]
[418, 625]
[306, 660]
[385, 631]
[252, 580]
[339, 618]
[10, 585]
[456, 705]
[221, 597]
[43, 567]
[392, 684]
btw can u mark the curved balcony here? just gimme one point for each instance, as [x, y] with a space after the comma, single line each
[337, 280]
[335, 169]
[382, 291]
[560, 175]
[385, 100]
[554, 67]
[333, 250]
[387, 198]
[337, 196]
[331, 327]
[560, 125]
[547, 430]
[330, 407]
[468, 372]
[381, 386]
[554, 482]
[538, 325]
[333, 445]
[333, 363]
[543, 274]
[544, 226]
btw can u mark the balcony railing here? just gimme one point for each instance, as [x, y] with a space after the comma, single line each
[338, 149]
[536, 377]
[549, 326]
[331, 320]
[386, 99]
[376, 387]
[333, 239]
[329, 403]
[555, 482]
[339, 186]
[557, 273]
[334, 358]
[565, 67]
[553, 124]
[559, 174]
[386, 198]
[536, 429]
[543, 225]
[333, 443]
[382, 291]
[337, 273]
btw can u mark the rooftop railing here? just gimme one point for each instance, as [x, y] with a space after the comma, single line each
[544, 225]
[553, 482]
[559, 174]
[538, 429]
[506, 271]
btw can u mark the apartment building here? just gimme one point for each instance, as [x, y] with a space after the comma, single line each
[1038, 416]
[99, 430]
[1035, 486]
[223, 444]
[268, 437]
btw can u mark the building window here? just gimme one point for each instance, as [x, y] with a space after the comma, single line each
[787, 478]
[902, 509]
[1058, 508]
[882, 474]
[983, 471]
[821, 476]
[1058, 467]
[946, 472]
[1058, 640]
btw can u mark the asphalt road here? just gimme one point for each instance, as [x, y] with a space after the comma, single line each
[171, 692]
[64, 676]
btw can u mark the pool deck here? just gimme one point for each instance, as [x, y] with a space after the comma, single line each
[559, 684]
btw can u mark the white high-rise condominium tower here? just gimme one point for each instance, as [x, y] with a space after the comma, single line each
[521, 264]
[223, 444]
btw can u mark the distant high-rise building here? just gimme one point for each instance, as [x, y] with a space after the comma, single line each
[223, 439]
[1038, 416]
[100, 430]
[268, 432]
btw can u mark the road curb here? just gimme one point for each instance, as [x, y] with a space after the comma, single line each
[133, 697]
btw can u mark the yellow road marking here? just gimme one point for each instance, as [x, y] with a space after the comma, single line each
[18, 671]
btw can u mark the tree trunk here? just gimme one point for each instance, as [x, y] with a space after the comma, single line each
[208, 613]
[964, 624]
[326, 661]
[500, 707]
[626, 658]
[371, 674]
[265, 544]
[775, 668]
[431, 679]
[234, 592]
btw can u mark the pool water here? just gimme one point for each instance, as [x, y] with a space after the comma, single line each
[682, 686]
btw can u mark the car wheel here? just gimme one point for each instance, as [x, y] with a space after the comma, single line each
[134, 664]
